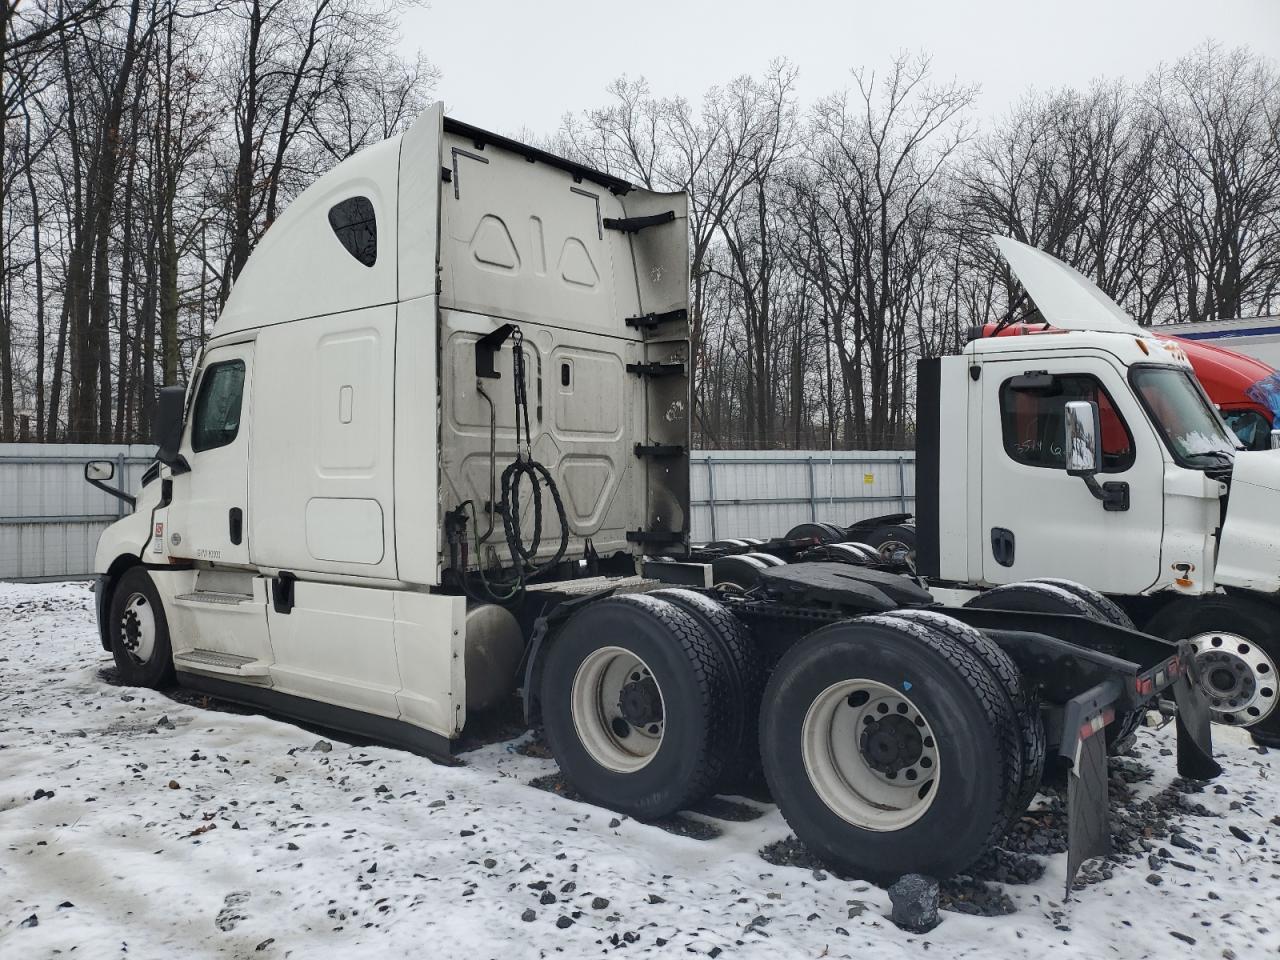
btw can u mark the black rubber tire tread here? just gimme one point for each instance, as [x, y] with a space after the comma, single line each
[834, 529]
[1112, 611]
[705, 754]
[1042, 597]
[869, 551]
[848, 553]
[820, 532]
[768, 559]
[1035, 597]
[1030, 724]
[745, 671]
[992, 702]
[157, 672]
[740, 569]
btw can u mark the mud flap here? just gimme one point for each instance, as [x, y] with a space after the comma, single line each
[1084, 745]
[1088, 811]
[1195, 727]
[543, 626]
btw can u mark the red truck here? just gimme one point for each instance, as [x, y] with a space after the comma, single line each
[1245, 390]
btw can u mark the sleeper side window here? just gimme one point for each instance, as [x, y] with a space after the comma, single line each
[1033, 423]
[356, 227]
[217, 415]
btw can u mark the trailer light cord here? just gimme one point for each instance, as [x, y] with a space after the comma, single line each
[524, 566]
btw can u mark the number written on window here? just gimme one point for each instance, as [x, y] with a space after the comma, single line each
[1034, 425]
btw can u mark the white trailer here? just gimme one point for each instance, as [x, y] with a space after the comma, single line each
[451, 346]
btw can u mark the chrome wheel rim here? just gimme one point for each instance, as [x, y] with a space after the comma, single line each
[1237, 676]
[892, 551]
[618, 710]
[138, 628]
[870, 755]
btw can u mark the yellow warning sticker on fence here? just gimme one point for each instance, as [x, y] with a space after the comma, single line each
[868, 478]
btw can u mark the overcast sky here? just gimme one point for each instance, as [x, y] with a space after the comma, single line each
[510, 65]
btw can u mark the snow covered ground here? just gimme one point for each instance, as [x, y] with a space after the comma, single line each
[133, 824]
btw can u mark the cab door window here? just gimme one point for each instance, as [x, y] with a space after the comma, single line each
[1033, 423]
[216, 420]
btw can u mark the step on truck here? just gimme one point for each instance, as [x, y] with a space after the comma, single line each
[436, 450]
[1088, 451]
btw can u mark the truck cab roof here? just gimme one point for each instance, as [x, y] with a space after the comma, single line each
[1128, 348]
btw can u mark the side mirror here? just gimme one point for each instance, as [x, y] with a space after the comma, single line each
[99, 470]
[1083, 438]
[166, 431]
[1083, 430]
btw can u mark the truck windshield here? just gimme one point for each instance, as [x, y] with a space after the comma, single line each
[1191, 428]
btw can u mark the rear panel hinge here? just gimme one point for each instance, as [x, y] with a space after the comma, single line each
[659, 450]
[651, 320]
[656, 369]
[636, 224]
[656, 537]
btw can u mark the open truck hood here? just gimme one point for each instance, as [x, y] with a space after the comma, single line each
[1249, 551]
[1065, 297]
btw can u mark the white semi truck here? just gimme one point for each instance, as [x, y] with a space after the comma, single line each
[436, 449]
[1173, 520]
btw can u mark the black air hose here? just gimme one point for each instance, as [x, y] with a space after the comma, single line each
[523, 566]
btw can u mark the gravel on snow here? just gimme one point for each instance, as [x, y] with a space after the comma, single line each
[137, 824]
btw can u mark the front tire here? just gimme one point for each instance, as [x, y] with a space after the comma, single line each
[138, 632]
[852, 711]
[1237, 642]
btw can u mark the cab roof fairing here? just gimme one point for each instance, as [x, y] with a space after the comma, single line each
[300, 269]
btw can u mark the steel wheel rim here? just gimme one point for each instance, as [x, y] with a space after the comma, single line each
[138, 628]
[613, 691]
[1237, 676]
[890, 550]
[849, 774]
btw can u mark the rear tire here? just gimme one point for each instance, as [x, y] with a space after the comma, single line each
[818, 532]
[637, 706]
[138, 632]
[1030, 723]
[834, 788]
[1109, 610]
[744, 670]
[743, 569]
[893, 541]
[1073, 599]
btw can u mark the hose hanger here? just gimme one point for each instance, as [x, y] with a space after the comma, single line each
[508, 589]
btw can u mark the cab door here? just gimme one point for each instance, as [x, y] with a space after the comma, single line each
[1038, 521]
[207, 518]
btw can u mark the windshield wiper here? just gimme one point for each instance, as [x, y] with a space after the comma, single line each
[1216, 456]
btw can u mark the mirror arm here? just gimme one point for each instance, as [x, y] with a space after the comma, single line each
[1114, 494]
[179, 466]
[114, 491]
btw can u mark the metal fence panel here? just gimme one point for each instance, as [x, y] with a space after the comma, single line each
[764, 493]
[50, 518]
